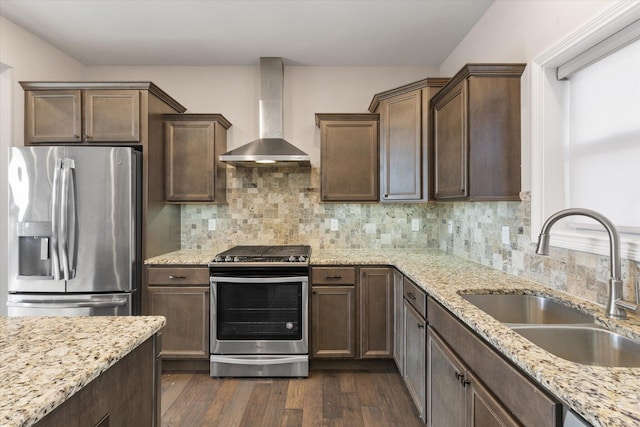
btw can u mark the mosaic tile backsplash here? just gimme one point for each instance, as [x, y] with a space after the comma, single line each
[282, 206]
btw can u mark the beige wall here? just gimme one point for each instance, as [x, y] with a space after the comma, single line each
[518, 31]
[233, 92]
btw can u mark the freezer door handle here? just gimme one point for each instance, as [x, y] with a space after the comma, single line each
[55, 219]
[49, 303]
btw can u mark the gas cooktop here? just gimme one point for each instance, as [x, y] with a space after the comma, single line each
[295, 254]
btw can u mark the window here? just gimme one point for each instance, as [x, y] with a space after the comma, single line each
[586, 132]
[603, 143]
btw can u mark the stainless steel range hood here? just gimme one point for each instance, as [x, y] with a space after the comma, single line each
[270, 149]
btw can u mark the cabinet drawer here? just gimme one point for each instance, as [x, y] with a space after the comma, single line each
[177, 276]
[416, 296]
[333, 275]
[529, 403]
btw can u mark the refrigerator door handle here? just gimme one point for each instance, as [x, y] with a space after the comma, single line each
[72, 231]
[55, 212]
[41, 303]
[67, 165]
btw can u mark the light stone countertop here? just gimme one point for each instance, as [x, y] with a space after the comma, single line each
[45, 360]
[603, 396]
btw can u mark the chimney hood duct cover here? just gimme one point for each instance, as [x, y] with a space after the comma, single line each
[270, 149]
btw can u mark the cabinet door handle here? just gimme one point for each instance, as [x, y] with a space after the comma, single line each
[172, 277]
[333, 277]
[420, 326]
[411, 296]
[459, 376]
[465, 383]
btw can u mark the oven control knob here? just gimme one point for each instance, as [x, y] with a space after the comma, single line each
[228, 259]
[289, 325]
[292, 259]
[218, 259]
[236, 259]
[302, 258]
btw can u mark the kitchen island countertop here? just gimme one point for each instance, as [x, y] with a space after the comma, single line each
[46, 360]
[603, 396]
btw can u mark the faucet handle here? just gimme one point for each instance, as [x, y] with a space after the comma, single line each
[628, 305]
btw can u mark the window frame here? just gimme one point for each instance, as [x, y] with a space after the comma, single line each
[548, 95]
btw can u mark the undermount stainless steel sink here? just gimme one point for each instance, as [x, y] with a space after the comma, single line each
[527, 309]
[588, 345]
[559, 329]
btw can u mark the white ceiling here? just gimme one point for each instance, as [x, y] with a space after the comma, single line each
[239, 32]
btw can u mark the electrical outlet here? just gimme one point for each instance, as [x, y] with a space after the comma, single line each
[415, 225]
[505, 235]
[212, 225]
[334, 224]
[450, 227]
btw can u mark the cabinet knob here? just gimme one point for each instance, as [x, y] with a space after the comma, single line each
[459, 376]
[420, 326]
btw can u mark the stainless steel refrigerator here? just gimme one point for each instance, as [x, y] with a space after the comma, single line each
[74, 231]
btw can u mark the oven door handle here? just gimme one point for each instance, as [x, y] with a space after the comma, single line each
[273, 360]
[236, 279]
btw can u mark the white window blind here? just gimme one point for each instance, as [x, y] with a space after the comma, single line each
[603, 144]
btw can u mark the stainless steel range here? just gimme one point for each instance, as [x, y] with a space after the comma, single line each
[259, 312]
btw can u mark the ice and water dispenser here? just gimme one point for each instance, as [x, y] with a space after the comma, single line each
[34, 250]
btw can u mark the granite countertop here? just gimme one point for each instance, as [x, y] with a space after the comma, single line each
[603, 396]
[45, 360]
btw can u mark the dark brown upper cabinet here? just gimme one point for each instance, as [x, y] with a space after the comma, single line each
[405, 140]
[88, 112]
[349, 157]
[476, 118]
[193, 143]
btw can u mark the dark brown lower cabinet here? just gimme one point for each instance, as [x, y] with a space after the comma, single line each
[415, 336]
[186, 308]
[181, 294]
[470, 384]
[456, 398]
[376, 312]
[352, 312]
[126, 394]
[398, 320]
[333, 321]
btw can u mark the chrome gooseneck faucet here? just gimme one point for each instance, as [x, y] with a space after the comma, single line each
[616, 306]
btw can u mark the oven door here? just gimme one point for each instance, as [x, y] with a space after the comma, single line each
[259, 315]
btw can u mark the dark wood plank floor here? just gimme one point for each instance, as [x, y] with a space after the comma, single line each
[369, 393]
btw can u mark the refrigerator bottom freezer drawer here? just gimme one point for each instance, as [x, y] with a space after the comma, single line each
[69, 305]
